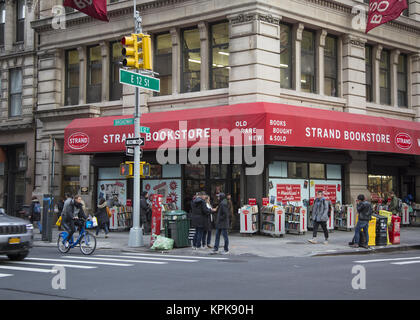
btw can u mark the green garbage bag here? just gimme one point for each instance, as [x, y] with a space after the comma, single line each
[162, 243]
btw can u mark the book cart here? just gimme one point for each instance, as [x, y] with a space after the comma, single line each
[344, 217]
[405, 215]
[330, 222]
[121, 218]
[296, 219]
[249, 219]
[273, 220]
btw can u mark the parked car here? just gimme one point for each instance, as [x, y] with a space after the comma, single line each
[16, 236]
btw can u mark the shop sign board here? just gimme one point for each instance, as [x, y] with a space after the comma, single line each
[139, 80]
[330, 191]
[252, 201]
[288, 192]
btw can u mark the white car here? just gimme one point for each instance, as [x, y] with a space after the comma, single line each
[16, 236]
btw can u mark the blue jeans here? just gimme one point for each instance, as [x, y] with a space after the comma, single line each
[197, 237]
[38, 223]
[361, 225]
[206, 236]
[225, 237]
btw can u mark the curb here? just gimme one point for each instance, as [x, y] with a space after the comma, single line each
[372, 250]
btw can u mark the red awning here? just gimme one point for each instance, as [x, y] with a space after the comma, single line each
[264, 123]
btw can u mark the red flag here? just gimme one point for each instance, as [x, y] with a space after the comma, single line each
[382, 11]
[93, 8]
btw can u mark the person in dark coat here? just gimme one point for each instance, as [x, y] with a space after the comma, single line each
[364, 208]
[102, 217]
[71, 216]
[208, 225]
[146, 212]
[200, 211]
[35, 213]
[222, 224]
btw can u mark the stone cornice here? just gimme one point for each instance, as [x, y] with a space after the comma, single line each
[247, 17]
[72, 112]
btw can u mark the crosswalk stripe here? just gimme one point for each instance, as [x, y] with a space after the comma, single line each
[167, 256]
[148, 258]
[81, 261]
[3, 275]
[406, 262]
[120, 260]
[54, 264]
[385, 260]
[27, 269]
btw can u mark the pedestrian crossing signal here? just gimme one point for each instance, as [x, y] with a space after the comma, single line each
[144, 169]
[126, 169]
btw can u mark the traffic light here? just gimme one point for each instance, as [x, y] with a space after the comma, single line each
[144, 169]
[145, 53]
[126, 169]
[137, 51]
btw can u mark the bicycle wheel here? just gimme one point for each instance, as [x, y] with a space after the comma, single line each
[87, 243]
[61, 247]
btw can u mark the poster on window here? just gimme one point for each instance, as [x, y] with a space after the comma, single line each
[170, 189]
[292, 191]
[332, 190]
[113, 191]
[288, 193]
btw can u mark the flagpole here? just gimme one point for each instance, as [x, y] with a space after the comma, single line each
[136, 232]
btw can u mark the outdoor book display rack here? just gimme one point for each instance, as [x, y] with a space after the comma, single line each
[273, 220]
[344, 217]
[121, 218]
[296, 219]
[249, 219]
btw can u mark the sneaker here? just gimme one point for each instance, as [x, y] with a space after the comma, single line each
[194, 248]
[215, 252]
[355, 245]
[209, 246]
[225, 252]
[325, 242]
[313, 241]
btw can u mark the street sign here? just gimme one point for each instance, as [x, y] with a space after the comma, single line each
[134, 142]
[129, 151]
[144, 130]
[139, 80]
[123, 122]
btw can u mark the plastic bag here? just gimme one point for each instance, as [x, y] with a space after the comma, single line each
[94, 222]
[58, 223]
[162, 243]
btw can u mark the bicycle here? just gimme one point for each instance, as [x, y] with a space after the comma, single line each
[86, 240]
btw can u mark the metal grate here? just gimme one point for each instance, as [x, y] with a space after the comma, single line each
[13, 229]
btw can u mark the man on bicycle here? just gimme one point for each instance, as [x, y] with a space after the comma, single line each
[71, 215]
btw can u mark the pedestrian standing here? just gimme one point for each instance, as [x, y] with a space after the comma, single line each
[232, 218]
[364, 208]
[320, 212]
[102, 217]
[209, 225]
[222, 224]
[146, 212]
[394, 204]
[35, 213]
[200, 211]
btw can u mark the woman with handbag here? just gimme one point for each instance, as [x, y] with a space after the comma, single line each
[102, 217]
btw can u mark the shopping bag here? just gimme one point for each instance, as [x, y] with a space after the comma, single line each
[162, 243]
[108, 212]
[58, 223]
[94, 222]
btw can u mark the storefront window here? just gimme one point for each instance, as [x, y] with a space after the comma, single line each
[155, 171]
[317, 170]
[380, 185]
[218, 171]
[236, 171]
[278, 169]
[195, 171]
[297, 170]
[71, 180]
[333, 171]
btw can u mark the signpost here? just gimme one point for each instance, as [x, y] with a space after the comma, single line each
[139, 80]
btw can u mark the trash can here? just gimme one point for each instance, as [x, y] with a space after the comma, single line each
[381, 230]
[177, 227]
[394, 231]
[388, 215]
[372, 231]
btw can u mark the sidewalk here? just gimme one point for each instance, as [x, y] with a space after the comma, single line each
[289, 245]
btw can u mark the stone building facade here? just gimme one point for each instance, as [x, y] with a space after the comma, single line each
[298, 52]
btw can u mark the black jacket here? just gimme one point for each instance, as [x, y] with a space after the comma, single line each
[102, 215]
[200, 211]
[146, 211]
[223, 213]
[365, 211]
[34, 216]
[70, 211]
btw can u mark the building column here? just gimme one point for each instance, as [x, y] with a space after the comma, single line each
[356, 177]
[376, 63]
[254, 58]
[176, 58]
[82, 74]
[320, 45]
[354, 74]
[297, 36]
[10, 25]
[105, 52]
[204, 51]
[84, 180]
[394, 77]
[415, 84]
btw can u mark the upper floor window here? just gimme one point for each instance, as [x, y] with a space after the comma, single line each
[219, 55]
[191, 60]
[15, 92]
[20, 20]
[94, 74]
[402, 80]
[385, 78]
[163, 62]
[368, 62]
[330, 66]
[308, 69]
[115, 85]
[2, 21]
[72, 77]
[286, 70]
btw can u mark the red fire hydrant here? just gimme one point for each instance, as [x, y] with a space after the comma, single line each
[394, 231]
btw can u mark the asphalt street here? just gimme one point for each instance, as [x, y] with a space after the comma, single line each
[121, 275]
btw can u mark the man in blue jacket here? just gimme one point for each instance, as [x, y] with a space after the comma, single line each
[364, 208]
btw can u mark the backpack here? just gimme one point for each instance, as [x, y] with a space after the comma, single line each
[37, 208]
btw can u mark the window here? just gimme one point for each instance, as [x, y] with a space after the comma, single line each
[368, 60]
[384, 78]
[163, 63]
[191, 60]
[72, 77]
[286, 56]
[218, 171]
[115, 85]
[195, 171]
[2, 21]
[20, 21]
[317, 170]
[219, 55]
[297, 170]
[380, 185]
[308, 71]
[71, 178]
[94, 74]
[402, 80]
[330, 66]
[15, 92]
